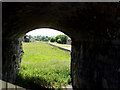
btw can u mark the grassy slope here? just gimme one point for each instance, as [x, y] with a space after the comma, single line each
[44, 65]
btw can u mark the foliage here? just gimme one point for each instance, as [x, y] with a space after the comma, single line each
[29, 38]
[42, 38]
[44, 66]
[59, 40]
[62, 39]
[52, 39]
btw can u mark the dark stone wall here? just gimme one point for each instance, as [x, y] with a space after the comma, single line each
[95, 64]
[12, 54]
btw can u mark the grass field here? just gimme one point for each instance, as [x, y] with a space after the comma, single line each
[44, 66]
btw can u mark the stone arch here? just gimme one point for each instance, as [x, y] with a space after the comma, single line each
[93, 27]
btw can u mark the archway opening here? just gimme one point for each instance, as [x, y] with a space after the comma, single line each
[45, 63]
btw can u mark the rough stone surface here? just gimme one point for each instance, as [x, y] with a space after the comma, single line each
[12, 54]
[95, 65]
[93, 27]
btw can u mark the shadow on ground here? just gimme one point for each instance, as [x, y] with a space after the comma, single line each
[31, 83]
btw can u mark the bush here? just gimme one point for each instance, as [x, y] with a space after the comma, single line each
[59, 41]
[52, 39]
[63, 39]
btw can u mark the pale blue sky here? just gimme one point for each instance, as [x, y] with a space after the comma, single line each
[44, 32]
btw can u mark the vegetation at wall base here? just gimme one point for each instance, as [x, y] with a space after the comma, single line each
[44, 66]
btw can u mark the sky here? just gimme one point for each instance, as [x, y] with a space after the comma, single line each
[44, 32]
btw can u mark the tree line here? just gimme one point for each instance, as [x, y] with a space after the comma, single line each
[62, 39]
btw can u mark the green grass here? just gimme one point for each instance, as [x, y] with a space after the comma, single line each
[44, 66]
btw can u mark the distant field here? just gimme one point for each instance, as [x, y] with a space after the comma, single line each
[61, 45]
[44, 66]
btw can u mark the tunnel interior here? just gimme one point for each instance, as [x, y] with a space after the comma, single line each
[93, 27]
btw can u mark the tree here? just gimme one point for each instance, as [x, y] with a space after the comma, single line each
[42, 38]
[52, 39]
[62, 39]
[46, 39]
[59, 41]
